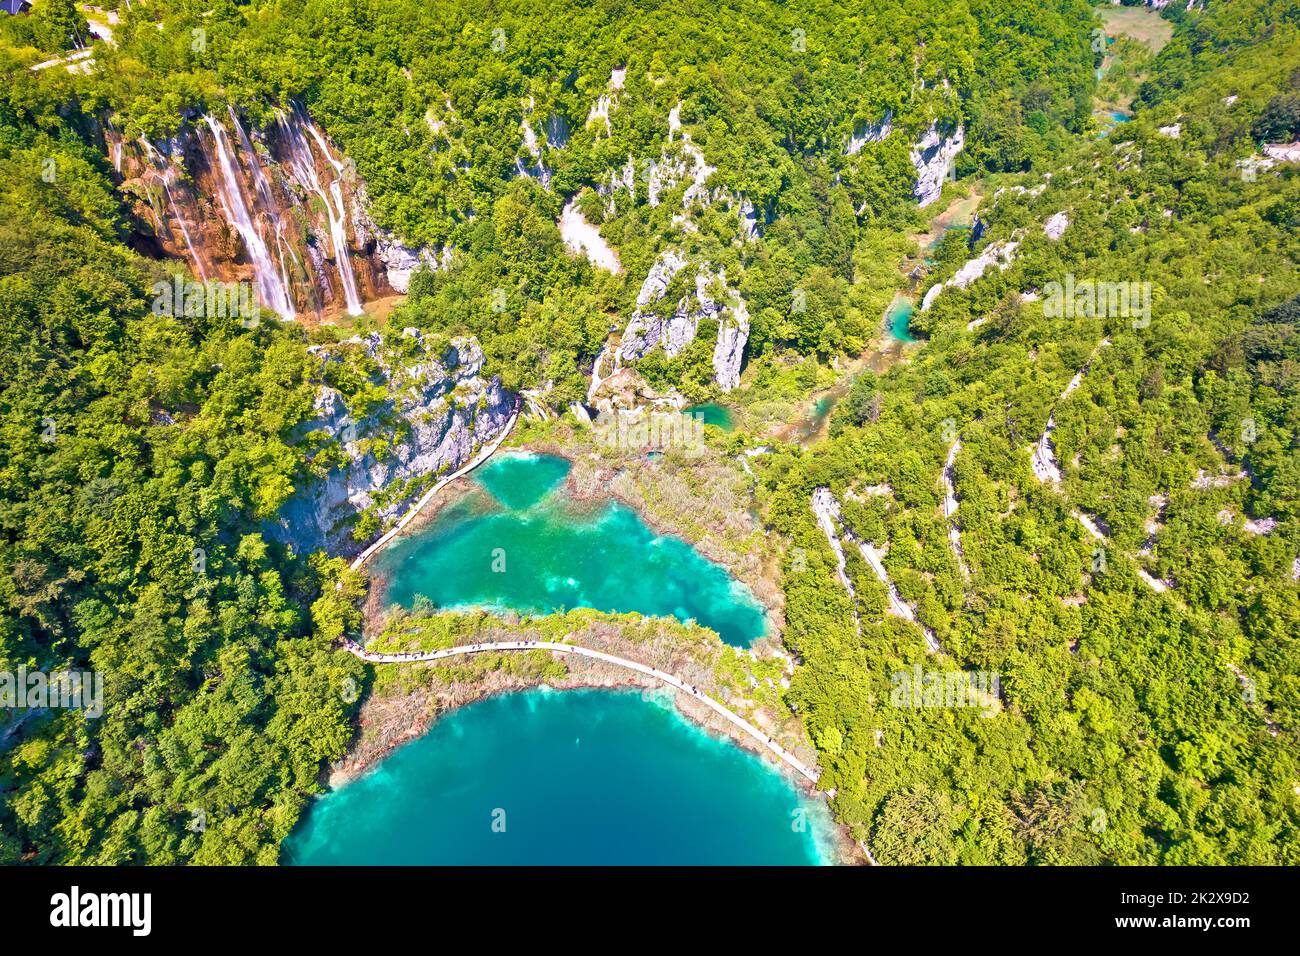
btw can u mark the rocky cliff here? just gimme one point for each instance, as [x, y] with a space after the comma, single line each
[439, 410]
[865, 132]
[933, 157]
[653, 325]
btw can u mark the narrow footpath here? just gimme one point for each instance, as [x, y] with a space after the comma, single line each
[410, 657]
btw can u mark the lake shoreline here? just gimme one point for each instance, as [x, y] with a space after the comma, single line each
[845, 849]
[367, 751]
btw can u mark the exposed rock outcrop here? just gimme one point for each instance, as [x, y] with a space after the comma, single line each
[400, 261]
[620, 180]
[827, 510]
[531, 162]
[1283, 152]
[729, 350]
[626, 390]
[608, 101]
[864, 133]
[1043, 453]
[1000, 253]
[674, 330]
[933, 156]
[442, 408]
[647, 329]
[950, 505]
[680, 161]
[1055, 226]
[584, 238]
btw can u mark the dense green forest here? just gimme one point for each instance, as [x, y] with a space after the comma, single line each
[141, 455]
[1140, 726]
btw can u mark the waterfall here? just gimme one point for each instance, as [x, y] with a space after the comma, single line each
[263, 187]
[596, 379]
[114, 144]
[273, 291]
[302, 163]
[282, 246]
[167, 171]
[185, 233]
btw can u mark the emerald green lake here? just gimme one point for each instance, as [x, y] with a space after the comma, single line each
[520, 480]
[565, 777]
[898, 317]
[526, 546]
[711, 413]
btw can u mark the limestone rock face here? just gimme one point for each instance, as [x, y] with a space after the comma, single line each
[933, 157]
[864, 133]
[674, 330]
[530, 162]
[626, 390]
[648, 328]
[623, 180]
[400, 261]
[680, 161]
[1000, 253]
[441, 409]
[733, 333]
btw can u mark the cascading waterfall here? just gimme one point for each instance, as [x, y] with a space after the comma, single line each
[272, 289]
[596, 379]
[302, 165]
[168, 170]
[185, 232]
[259, 178]
[114, 144]
[282, 246]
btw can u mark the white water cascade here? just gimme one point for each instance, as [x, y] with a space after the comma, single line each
[185, 233]
[168, 171]
[302, 165]
[272, 289]
[259, 178]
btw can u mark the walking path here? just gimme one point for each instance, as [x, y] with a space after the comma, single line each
[375, 657]
[483, 455]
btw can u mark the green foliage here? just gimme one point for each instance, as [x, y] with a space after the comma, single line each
[140, 455]
[1280, 120]
[1136, 727]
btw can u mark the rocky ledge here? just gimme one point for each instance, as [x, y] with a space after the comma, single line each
[439, 409]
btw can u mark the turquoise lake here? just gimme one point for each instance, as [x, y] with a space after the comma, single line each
[528, 547]
[711, 413]
[565, 777]
[1110, 119]
[898, 317]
